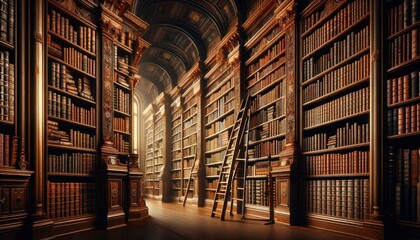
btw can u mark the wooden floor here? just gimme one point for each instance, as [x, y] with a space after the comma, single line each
[174, 222]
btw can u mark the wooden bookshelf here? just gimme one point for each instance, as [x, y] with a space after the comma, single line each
[335, 135]
[265, 74]
[190, 98]
[149, 175]
[71, 128]
[176, 150]
[402, 118]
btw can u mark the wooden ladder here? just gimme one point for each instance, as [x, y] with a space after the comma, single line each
[194, 170]
[226, 176]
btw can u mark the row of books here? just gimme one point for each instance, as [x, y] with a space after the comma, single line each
[7, 21]
[275, 94]
[342, 198]
[220, 141]
[190, 125]
[340, 51]
[82, 163]
[121, 143]
[191, 139]
[69, 138]
[270, 129]
[404, 47]
[222, 91]
[121, 124]
[268, 114]
[338, 79]
[264, 149]
[213, 170]
[405, 119]
[265, 40]
[349, 134]
[211, 183]
[404, 183]
[62, 78]
[126, 37]
[259, 83]
[82, 36]
[268, 56]
[337, 163]
[256, 72]
[257, 192]
[79, 60]
[214, 157]
[220, 109]
[121, 100]
[221, 102]
[339, 22]
[7, 87]
[189, 151]
[260, 24]
[5, 147]
[403, 88]
[261, 168]
[69, 199]
[221, 125]
[191, 111]
[118, 78]
[403, 15]
[121, 62]
[344, 106]
[62, 107]
[177, 165]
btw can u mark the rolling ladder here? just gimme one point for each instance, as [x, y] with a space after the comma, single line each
[231, 163]
[194, 170]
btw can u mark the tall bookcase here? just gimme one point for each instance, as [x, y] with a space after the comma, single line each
[191, 94]
[176, 150]
[71, 128]
[220, 105]
[335, 110]
[14, 165]
[402, 111]
[149, 160]
[265, 74]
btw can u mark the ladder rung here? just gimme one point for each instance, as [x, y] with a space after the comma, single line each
[226, 166]
[220, 193]
[240, 159]
[240, 188]
[238, 199]
[222, 182]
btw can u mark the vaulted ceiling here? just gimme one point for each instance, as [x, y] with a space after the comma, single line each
[181, 33]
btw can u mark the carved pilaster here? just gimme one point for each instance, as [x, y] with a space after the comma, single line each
[107, 91]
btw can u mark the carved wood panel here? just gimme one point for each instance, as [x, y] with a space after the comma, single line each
[134, 192]
[290, 85]
[5, 201]
[108, 89]
[17, 201]
[115, 191]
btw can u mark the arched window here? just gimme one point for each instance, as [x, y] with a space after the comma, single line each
[136, 106]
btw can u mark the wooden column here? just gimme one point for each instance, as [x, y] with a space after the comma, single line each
[112, 171]
[40, 225]
[286, 192]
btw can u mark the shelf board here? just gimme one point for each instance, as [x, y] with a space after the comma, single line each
[267, 122]
[6, 122]
[404, 65]
[406, 102]
[217, 133]
[336, 66]
[257, 177]
[404, 135]
[191, 116]
[337, 92]
[268, 46]
[212, 176]
[220, 117]
[8, 45]
[336, 120]
[220, 96]
[214, 164]
[122, 132]
[405, 30]
[76, 149]
[61, 91]
[266, 106]
[272, 84]
[189, 146]
[221, 84]
[266, 64]
[260, 78]
[124, 47]
[210, 189]
[336, 149]
[120, 72]
[122, 113]
[61, 38]
[216, 150]
[349, 175]
[188, 156]
[70, 66]
[71, 122]
[188, 135]
[122, 86]
[73, 175]
[267, 139]
[261, 159]
[337, 36]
